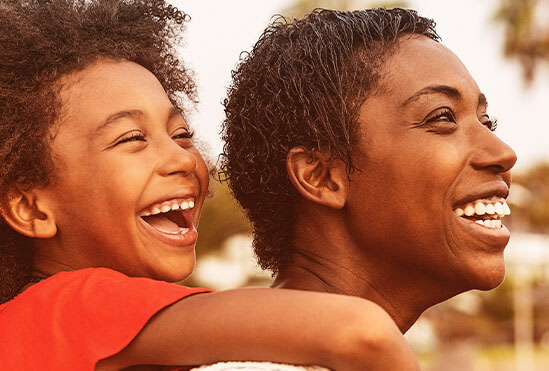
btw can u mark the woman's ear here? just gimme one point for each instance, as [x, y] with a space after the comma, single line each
[25, 213]
[317, 177]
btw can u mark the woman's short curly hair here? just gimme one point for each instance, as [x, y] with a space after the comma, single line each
[43, 40]
[302, 85]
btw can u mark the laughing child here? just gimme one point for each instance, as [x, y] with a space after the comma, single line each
[101, 189]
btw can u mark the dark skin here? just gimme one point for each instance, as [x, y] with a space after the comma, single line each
[391, 233]
[122, 150]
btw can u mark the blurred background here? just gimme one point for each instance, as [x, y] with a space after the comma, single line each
[505, 46]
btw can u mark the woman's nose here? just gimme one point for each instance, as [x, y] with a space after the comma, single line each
[174, 159]
[492, 153]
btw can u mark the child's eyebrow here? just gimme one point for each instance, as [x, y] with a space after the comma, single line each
[112, 119]
[482, 101]
[133, 114]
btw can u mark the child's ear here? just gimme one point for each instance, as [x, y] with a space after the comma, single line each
[25, 213]
[317, 177]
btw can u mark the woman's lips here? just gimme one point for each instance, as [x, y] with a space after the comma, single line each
[481, 219]
[485, 212]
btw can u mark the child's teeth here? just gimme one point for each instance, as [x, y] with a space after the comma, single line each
[169, 206]
[469, 210]
[499, 208]
[480, 208]
[487, 223]
[459, 211]
[490, 209]
[183, 230]
[506, 209]
[498, 224]
[479, 222]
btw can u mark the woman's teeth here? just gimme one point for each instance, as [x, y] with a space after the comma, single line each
[487, 214]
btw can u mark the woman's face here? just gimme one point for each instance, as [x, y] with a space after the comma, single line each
[129, 184]
[426, 152]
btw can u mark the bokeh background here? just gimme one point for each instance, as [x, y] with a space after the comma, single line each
[505, 45]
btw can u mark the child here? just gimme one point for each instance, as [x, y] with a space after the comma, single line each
[101, 192]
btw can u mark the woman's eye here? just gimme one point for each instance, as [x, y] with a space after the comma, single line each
[441, 121]
[445, 115]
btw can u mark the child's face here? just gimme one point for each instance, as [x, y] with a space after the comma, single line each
[122, 152]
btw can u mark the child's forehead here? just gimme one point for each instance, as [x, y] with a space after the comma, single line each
[107, 87]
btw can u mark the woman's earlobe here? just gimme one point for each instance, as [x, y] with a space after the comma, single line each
[317, 177]
[27, 216]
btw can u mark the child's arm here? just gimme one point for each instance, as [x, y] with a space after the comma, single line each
[287, 326]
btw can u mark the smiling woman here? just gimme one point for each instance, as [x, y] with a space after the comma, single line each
[366, 161]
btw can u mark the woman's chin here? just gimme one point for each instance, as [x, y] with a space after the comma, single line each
[489, 277]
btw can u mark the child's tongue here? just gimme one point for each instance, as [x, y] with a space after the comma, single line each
[162, 223]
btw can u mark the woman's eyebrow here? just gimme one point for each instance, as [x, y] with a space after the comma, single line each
[434, 89]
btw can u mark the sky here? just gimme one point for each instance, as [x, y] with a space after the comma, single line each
[220, 30]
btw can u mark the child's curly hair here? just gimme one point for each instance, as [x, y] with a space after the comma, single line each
[43, 40]
[302, 85]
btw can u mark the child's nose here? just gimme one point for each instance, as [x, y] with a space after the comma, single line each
[175, 159]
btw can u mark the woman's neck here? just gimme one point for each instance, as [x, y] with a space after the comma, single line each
[334, 265]
[339, 280]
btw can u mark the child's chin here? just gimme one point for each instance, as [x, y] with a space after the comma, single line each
[176, 275]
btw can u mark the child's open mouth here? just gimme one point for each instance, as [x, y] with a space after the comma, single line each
[171, 217]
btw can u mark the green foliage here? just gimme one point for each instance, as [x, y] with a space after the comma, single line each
[526, 38]
[221, 218]
[536, 211]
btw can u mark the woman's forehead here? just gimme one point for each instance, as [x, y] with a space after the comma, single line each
[419, 63]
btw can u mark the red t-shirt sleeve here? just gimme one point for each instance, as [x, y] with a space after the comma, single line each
[74, 319]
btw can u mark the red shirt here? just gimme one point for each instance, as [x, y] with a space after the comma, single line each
[72, 320]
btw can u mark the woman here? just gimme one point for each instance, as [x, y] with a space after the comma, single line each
[362, 152]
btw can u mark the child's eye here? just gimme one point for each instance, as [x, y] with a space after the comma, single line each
[131, 137]
[491, 124]
[185, 134]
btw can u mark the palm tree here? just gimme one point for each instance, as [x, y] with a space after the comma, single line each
[526, 27]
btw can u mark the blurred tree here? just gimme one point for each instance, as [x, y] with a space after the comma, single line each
[526, 25]
[221, 218]
[302, 7]
[536, 211]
